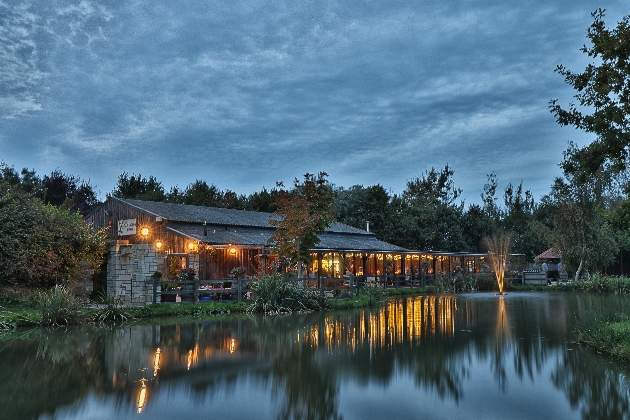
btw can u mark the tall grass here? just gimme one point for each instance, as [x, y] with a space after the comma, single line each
[598, 283]
[6, 323]
[372, 294]
[59, 307]
[112, 310]
[275, 294]
[606, 332]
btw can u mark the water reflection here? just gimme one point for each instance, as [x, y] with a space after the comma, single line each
[429, 355]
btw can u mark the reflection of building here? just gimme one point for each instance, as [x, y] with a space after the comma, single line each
[406, 320]
[162, 237]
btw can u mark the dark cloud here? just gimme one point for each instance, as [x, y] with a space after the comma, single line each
[246, 93]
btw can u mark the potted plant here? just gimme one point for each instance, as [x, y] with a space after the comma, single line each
[237, 272]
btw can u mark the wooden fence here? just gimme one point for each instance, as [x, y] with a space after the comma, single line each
[238, 289]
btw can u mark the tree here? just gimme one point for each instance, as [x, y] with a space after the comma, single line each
[305, 211]
[26, 179]
[604, 97]
[434, 187]
[260, 201]
[580, 233]
[139, 188]
[426, 216]
[517, 220]
[199, 193]
[58, 187]
[42, 245]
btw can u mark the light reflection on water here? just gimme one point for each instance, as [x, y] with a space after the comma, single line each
[438, 356]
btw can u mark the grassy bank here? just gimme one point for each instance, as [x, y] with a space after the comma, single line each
[59, 308]
[608, 333]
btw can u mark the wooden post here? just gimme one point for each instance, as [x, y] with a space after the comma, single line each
[319, 272]
[196, 290]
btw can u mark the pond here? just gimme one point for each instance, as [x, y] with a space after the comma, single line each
[473, 356]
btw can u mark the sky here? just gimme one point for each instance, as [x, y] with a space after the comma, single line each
[243, 94]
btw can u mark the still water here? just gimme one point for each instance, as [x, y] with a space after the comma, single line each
[469, 356]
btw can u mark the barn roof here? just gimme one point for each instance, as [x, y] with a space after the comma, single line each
[185, 213]
[245, 236]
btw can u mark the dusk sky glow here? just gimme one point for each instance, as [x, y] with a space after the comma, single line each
[242, 94]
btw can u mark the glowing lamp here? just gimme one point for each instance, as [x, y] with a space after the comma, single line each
[232, 251]
[144, 231]
[159, 244]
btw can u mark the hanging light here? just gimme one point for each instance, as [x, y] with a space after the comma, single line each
[144, 231]
[232, 250]
[159, 245]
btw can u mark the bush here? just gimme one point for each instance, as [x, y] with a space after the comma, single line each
[42, 245]
[6, 323]
[373, 294]
[607, 332]
[597, 283]
[59, 307]
[113, 310]
[487, 282]
[275, 294]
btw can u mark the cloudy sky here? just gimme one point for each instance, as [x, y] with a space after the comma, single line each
[242, 94]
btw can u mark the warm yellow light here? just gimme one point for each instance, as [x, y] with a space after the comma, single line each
[192, 246]
[159, 244]
[144, 231]
[142, 397]
[232, 346]
[156, 362]
[232, 250]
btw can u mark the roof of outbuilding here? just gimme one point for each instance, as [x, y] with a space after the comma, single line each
[549, 254]
[184, 213]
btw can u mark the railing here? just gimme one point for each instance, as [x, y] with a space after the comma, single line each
[199, 290]
[237, 289]
[229, 289]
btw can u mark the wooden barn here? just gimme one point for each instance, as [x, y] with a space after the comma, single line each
[149, 237]
[154, 237]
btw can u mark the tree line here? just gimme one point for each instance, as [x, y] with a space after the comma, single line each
[427, 215]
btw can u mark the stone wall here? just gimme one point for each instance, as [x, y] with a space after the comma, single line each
[129, 270]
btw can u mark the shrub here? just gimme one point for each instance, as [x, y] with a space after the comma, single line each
[463, 282]
[487, 282]
[373, 293]
[6, 323]
[200, 310]
[274, 294]
[113, 309]
[42, 245]
[59, 307]
[605, 331]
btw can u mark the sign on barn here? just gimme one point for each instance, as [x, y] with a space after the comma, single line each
[127, 227]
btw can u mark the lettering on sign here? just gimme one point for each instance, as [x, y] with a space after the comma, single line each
[127, 227]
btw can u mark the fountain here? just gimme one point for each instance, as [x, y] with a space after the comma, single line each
[499, 248]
